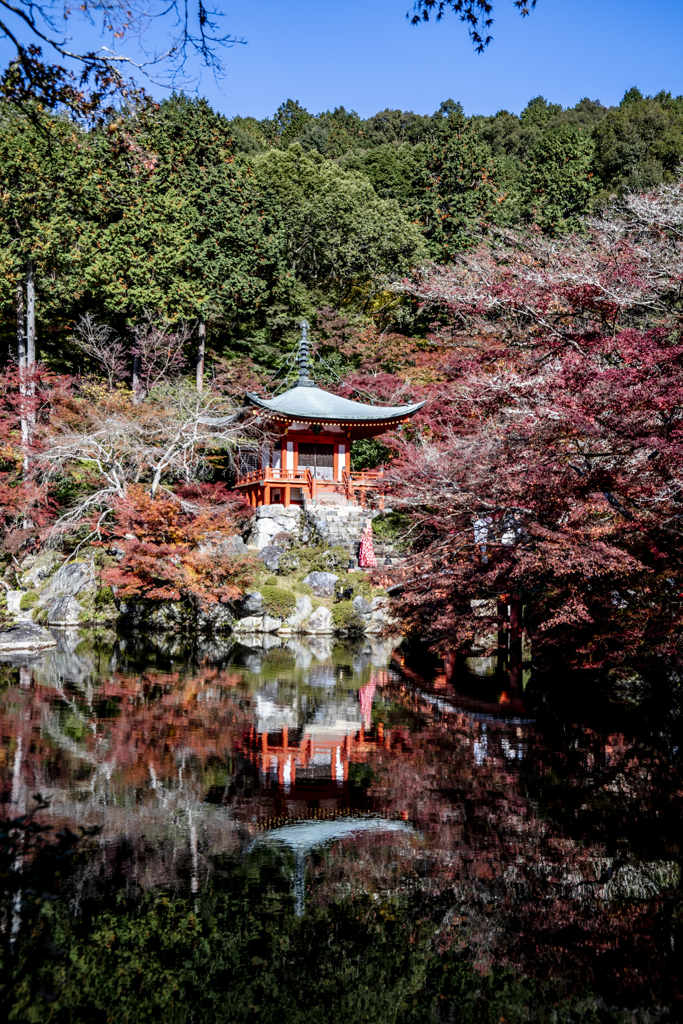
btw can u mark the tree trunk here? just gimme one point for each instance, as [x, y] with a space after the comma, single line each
[21, 360]
[21, 327]
[515, 641]
[30, 362]
[201, 354]
[136, 379]
[30, 315]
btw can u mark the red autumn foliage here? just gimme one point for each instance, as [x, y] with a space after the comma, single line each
[26, 397]
[171, 545]
[558, 417]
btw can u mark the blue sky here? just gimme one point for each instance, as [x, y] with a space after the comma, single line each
[365, 55]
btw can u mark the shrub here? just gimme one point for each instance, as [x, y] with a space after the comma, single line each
[345, 617]
[164, 559]
[329, 559]
[362, 586]
[28, 600]
[278, 601]
[289, 563]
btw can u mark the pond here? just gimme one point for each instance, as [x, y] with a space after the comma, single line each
[323, 831]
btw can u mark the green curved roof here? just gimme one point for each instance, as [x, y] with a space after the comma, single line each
[310, 403]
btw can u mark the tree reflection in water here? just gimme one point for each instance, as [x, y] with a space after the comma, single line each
[478, 857]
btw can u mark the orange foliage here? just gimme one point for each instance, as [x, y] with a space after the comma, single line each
[171, 545]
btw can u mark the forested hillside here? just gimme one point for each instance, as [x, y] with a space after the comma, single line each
[521, 274]
[248, 225]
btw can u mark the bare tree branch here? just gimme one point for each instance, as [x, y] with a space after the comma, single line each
[187, 28]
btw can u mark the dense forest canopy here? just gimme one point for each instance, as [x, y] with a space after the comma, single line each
[252, 223]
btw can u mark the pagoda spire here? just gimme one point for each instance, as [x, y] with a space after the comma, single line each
[304, 351]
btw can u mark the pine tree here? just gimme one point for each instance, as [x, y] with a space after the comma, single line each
[460, 195]
[559, 184]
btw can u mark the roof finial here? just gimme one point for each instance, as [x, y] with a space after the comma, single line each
[304, 349]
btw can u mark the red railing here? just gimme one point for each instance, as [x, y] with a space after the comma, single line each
[303, 477]
[361, 480]
[271, 474]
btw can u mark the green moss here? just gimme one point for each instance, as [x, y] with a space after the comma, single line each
[28, 600]
[100, 608]
[278, 601]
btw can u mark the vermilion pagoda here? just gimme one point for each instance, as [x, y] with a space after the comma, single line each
[310, 458]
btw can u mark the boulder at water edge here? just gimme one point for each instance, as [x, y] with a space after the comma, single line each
[320, 622]
[64, 611]
[25, 636]
[304, 607]
[251, 603]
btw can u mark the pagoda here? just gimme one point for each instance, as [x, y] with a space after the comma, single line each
[307, 456]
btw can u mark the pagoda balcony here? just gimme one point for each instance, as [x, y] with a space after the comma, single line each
[273, 485]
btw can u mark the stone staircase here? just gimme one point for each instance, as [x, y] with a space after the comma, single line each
[341, 525]
[337, 525]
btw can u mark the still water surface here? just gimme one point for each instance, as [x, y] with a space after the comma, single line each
[317, 831]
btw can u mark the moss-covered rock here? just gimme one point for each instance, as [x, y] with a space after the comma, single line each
[289, 562]
[28, 600]
[98, 607]
[40, 567]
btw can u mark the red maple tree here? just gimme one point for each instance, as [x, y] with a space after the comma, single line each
[172, 546]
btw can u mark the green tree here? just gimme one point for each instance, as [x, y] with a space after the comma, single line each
[288, 123]
[234, 254]
[396, 172]
[336, 230]
[41, 166]
[396, 127]
[461, 195]
[559, 184]
[640, 144]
